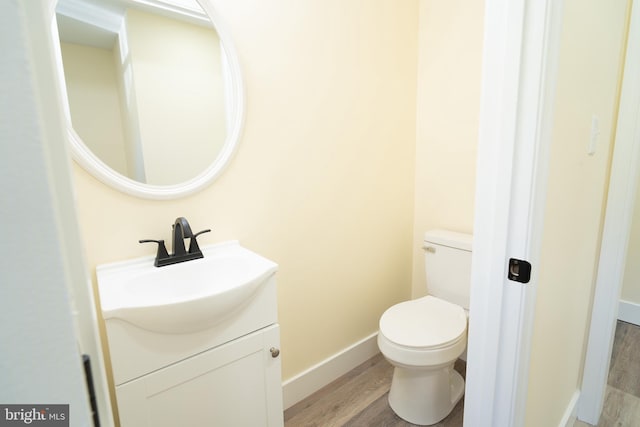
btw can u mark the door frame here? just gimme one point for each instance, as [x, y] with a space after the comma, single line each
[623, 184]
[39, 19]
[521, 44]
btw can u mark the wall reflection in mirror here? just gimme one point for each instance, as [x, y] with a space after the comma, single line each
[145, 84]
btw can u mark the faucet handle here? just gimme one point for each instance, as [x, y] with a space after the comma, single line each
[162, 249]
[193, 244]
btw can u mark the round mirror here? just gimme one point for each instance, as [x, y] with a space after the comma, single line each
[154, 93]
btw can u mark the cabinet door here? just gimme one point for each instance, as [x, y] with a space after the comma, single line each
[235, 384]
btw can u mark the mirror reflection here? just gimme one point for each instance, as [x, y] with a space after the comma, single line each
[146, 85]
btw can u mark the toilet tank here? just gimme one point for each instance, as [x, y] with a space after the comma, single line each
[448, 265]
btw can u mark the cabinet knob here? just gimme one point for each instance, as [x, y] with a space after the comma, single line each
[275, 352]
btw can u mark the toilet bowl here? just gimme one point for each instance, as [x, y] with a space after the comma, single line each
[423, 338]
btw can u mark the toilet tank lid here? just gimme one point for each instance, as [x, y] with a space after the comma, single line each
[449, 238]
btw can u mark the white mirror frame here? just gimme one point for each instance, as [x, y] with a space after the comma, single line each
[96, 167]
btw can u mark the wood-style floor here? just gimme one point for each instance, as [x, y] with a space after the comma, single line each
[622, 398]
[359, 398]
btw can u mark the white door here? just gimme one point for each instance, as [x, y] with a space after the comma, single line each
[520, 51]
[519, 69]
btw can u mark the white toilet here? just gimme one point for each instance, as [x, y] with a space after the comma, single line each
[423, 338]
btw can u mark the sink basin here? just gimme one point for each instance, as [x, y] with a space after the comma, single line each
[185, 297]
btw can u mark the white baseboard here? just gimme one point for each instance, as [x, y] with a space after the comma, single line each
[570, 414]
[629, 312]
[313, 379]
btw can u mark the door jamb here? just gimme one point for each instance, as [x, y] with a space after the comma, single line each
[623, 184]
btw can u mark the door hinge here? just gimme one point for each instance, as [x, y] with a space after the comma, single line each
[519, 270]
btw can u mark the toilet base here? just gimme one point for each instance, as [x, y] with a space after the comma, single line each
[425, 396]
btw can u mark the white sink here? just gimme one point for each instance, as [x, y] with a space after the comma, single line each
[185, 297]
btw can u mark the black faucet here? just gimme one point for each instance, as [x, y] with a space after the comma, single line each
[181, 231]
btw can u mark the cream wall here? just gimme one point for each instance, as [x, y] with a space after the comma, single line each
[323, 181]
[631, 283]
[590, 60]
[450, 60]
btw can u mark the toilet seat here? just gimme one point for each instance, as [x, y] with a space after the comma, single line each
[426, 323]
[425, 332]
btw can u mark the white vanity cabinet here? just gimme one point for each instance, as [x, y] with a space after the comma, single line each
[235, 384]
[194, 344]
